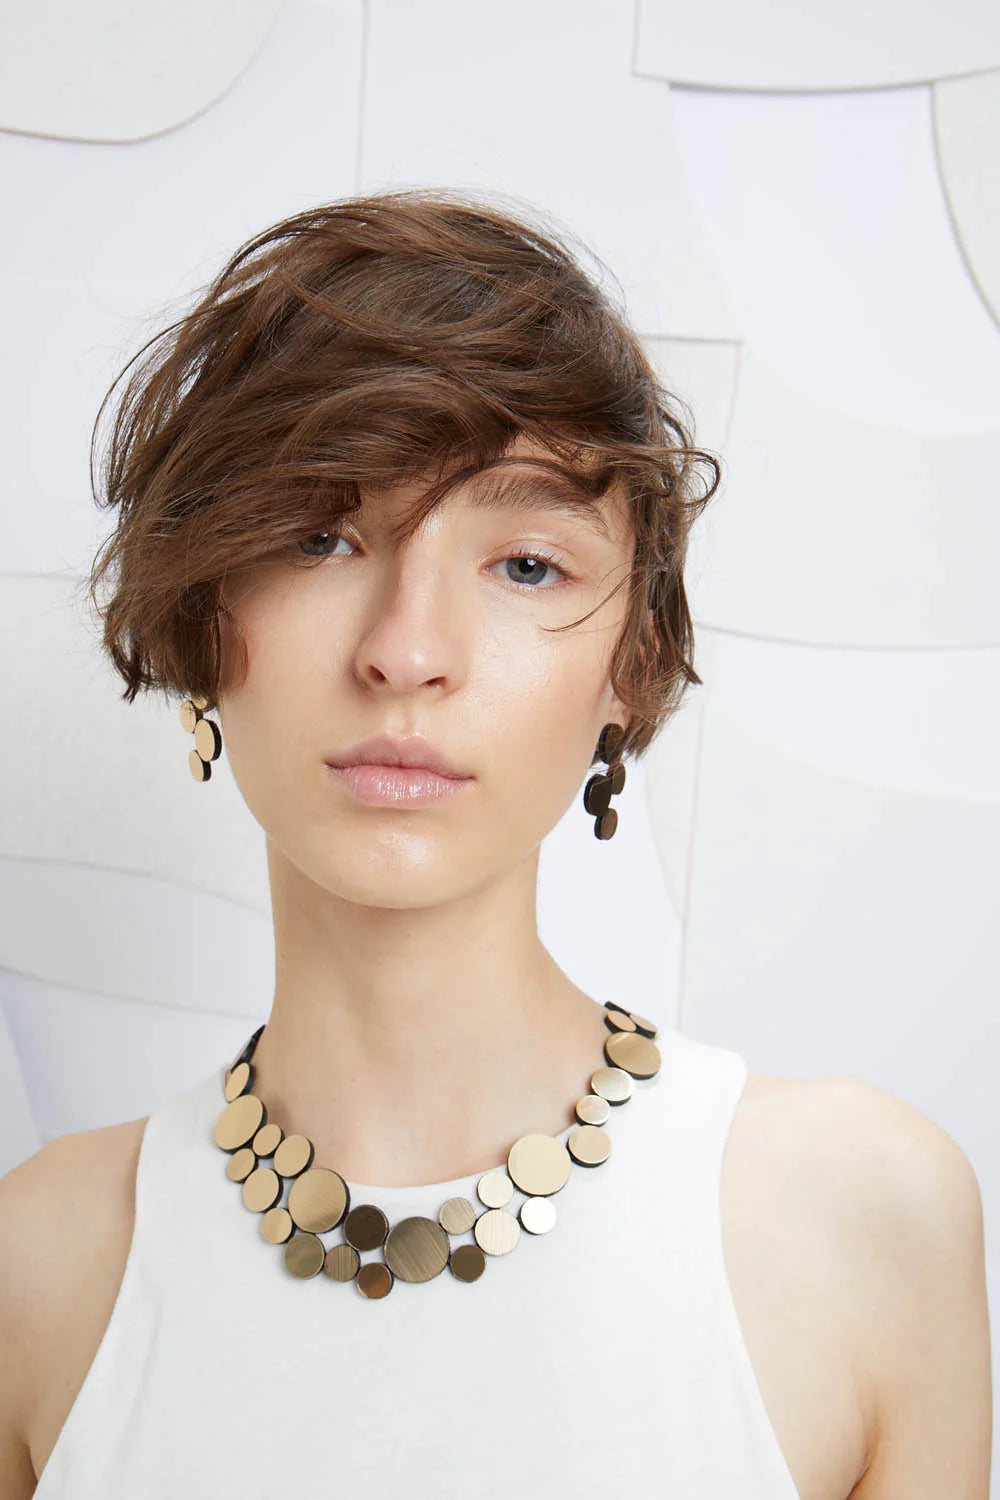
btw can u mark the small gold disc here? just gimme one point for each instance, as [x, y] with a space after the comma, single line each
[238, 1080]
[497, 1231]
[241, 1164]
[636, 1054]
[318, 1199]
[268, 1139]
[188, 715]
[593, 1110]
[374, 1279]
[467, 1262]
[649, 1028]
[589, 1145]
[207, 739]
[539, 1164]
[618, 1021]
[416, 1249]
[200, 702]
[613, 1084]
[304, 1255]
[276, 1226]
[457, 1215]
[239, 1122]
[606, 824]
[293, 1155]
[538, 1215]
[200, 769]
[262, 1189]
[342, 1262]
[366, 1227]
[495, 1188]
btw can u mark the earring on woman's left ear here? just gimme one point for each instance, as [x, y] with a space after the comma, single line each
[599, 790]
[207, 736]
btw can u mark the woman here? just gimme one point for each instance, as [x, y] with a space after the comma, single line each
[402, 501]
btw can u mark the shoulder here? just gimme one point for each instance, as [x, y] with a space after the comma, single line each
[66, 1217]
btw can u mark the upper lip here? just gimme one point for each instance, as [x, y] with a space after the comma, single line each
[413, 751]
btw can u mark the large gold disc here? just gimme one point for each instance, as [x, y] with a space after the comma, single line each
[366, 1227]
[241, 1164]
[342, 1262]
[589, 1145]
[207, 739]
[618, 1020]
[497, 1231]
[416, 1249]
[239, 1122]
[293, 1155]
[318, 1199]
[374, 1279]
[539, 1164]
[268, 1139]
[636, 1054]
[276, 1226]
[593, 1110]
[304, 1255]
[467, 1262]
[457, 1215]
[613, 1084]
[495, 1188]
[262, 1189]
[538, 1215]
[238, 1080]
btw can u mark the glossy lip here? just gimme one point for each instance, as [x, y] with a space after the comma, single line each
[412, 752]
[398, 786]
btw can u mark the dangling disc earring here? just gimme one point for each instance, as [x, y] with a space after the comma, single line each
[207, 737]
[599, 790]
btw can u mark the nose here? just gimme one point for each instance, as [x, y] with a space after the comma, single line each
[416, 631]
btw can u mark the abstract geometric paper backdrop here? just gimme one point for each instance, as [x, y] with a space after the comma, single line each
[800, 206]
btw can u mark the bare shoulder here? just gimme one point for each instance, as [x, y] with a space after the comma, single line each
[66, 1219]
[862, 1219]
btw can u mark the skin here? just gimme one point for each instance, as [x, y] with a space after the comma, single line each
[411, 985]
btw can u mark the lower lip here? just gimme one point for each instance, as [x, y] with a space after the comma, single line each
[398, 786]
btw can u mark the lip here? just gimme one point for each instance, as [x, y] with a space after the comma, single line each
[398, 786]
[412, 752]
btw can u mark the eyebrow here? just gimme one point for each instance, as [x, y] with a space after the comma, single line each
[542, 489]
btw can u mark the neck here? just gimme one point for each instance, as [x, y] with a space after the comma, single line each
[415, 1045]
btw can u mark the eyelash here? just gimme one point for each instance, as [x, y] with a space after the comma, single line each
[537, 554]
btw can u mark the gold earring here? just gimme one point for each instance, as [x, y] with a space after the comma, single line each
[207, 736]
[599, 790]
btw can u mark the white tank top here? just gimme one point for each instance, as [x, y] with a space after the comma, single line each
[604, 1357]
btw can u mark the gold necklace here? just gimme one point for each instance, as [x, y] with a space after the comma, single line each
[418, 1248]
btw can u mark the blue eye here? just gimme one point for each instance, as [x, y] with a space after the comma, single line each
[536, 560]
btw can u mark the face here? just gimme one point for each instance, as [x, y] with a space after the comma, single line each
[442, 636]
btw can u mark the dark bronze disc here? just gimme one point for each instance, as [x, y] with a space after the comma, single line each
[589, 1145]
[239, 1122]
[294, 1155]
[239, 1080]
[597, 794]
[200, 769]
[617, 775]
[467, 1262]
[617, 1020]
[276, 1225]
[636, 1054]
[262, 1189]
[613, 1084]
[188, 715]
[497, 1231]
[318, 1200]
[374, 1279]
[610, 741]
[241, 1164]
[304, 1255]
[268, 1139]
[457, 1215]
[366, 1227]
[342, 1262]
[539, 1165]
[606, 824]
[207, 739]
[593, 1110]
[416, 1249]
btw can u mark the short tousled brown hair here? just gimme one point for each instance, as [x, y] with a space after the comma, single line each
[357, 345]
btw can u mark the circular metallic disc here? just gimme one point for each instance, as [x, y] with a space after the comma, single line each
[318, 1199]
[613, 1084]
[304, 1255]
[268, 1139]
[199, 701]
[293, 1155]
[374, 1279]
[188, 715]
[649, 1028]
[366, 1227]
[617, 775]
[610, 741]
[593, 1110]
[342, 1262]
[497, 1231]
[467, 1262]
[457, 1215]
[606, 824]
[539, 1164]
[495, 1188]
[207, 739]
[636, 1054]
[238, 1080]
[241, 1164]
[262, 1189]
[617, 1020]
[239, 1122]
[276, 1226]
[597, 794]
[200, 769]
[416, 1249]
[589, 1145]
[538, 1215]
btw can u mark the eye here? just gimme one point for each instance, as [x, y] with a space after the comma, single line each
[528, 577]
[322, 540]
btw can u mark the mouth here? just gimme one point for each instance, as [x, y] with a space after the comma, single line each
[397, 786]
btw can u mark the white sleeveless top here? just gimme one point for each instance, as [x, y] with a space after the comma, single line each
[602, 1358]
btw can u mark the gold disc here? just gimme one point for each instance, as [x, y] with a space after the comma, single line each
[366, 1227]
[648, 1027]
[538, 1215]
[293, 1155]
[318, 1199]
[416, 1249]
[304, 1255]
[497, 1231]
[618, 1020]
[593, 1110]
[188, 715]
[207, 739]
[268, 1139]
[457, 1215]
[241, 1164]
[262, 1189]
[606, 824]
[374, 1279]
[239, 1122]
[342, 1262]
[467, 1262]
[238, 1080]
[200, 769]
[613, 1084]
[636, 1054]
[495, 1188]
[276, 1226]
[199, 701]
[539, 1164]
[589, 1145]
